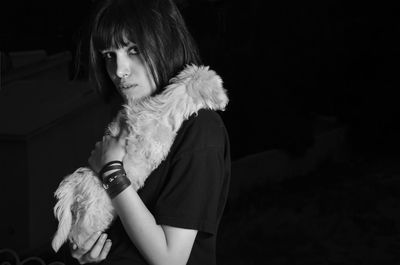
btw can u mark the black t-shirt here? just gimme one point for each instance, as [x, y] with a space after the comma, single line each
[188, 189]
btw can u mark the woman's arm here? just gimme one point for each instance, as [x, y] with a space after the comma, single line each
[159, 244]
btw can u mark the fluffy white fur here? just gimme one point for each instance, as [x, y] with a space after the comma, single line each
[83, 206]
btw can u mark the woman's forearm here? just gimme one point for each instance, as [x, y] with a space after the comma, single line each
[158, 244]
[141, 226]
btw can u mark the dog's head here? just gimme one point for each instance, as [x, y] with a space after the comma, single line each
[83, 207]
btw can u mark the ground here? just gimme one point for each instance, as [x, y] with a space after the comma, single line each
[346, 213]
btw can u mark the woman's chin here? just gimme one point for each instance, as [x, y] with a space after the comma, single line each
[133, 98]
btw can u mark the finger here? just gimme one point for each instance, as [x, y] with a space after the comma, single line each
[96, 249]
[75, 252]
[90, 242]
[123, 134]
[106, 137]
[105, 250]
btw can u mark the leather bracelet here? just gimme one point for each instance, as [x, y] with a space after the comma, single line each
[118, 185]
[110, 178]
[104, 168]
[103, 176]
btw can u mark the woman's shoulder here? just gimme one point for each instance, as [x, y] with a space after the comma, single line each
[205, 122]
[204, 117]
[204, 129]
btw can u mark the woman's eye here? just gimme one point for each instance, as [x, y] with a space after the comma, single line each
[107, 55]
[133, 50]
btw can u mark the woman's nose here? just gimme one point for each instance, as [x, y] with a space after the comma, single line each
[123, 69]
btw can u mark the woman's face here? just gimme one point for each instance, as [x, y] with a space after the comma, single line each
[129, 72]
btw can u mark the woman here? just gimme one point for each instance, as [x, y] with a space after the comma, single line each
[136, 47]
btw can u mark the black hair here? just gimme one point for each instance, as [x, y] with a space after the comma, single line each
[155, 26]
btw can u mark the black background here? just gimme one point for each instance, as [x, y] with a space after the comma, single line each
[283, 62]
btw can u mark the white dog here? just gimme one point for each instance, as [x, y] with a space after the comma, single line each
[83, 205]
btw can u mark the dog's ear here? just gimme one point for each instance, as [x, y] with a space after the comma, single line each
[62, 211]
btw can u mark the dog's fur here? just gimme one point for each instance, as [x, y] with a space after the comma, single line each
[83, 205]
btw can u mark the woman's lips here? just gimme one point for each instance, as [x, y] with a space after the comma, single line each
[125, 87]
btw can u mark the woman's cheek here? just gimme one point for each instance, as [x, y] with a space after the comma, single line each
[111, 70]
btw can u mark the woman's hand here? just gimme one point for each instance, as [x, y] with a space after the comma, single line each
[94, 250]
[109, 149]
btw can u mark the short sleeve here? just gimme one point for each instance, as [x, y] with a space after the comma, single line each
[195, 190]
[192, 197]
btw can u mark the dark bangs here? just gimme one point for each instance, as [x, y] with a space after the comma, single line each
[112, 25]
